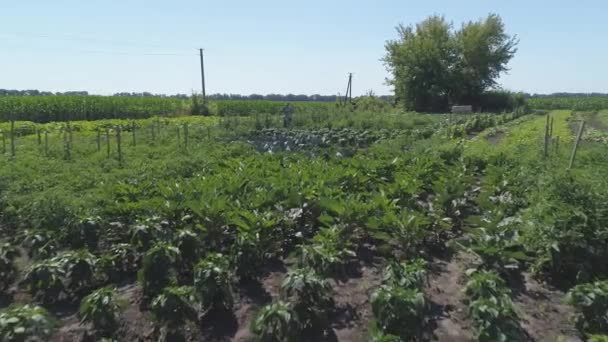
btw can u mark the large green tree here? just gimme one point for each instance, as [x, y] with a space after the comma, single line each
[433, 66]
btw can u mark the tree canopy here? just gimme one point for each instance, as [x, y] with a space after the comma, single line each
[433, 66]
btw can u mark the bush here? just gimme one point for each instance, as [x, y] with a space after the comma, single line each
[411, 275]
[25, 323]
[213, 282]
[8, 270]
[310, 297]
[158, 269]
[175, 305]
[102, 310]
[591, 301]
[44, 280]
[276, 322]
[399, 311]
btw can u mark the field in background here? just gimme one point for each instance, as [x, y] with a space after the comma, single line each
[348, 226]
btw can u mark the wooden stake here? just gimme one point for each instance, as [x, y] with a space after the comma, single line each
[133, 132]
[46, 143]
[3, 143]
[39, 137]
[575, 148]
[185, 136]
[108, 141]
[546, 149]
[98, 140]
[178, 137]
[119, 145]
[12, 138]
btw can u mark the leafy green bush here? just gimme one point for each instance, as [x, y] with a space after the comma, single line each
[399, 311]
[591, 301]
[25, 323]
[121, 260]
[44, 280]
[328, 252]
[410, 275]
[310, 297]
[175, 305]
[80, 269]
[213, 282]
[40, 244]
[276, 322]
[102, 309]
[83, 234]
[8, 270]
[158, 269]
[189, 247]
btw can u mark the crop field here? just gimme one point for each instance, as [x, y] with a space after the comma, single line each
[335, 226]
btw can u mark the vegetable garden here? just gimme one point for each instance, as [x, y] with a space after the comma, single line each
[339, 225]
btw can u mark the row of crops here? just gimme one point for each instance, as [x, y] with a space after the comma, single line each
[264, 243]
[71, 108]
[572, 103]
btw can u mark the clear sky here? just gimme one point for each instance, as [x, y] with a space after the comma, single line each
[276, 46]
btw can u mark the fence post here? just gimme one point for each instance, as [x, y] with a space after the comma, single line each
[12, 137]
[546, 148]
[178, 137]
[98, 140]
[118, 144]
[133, 132]
[557, 145]
[39, 137]
[186, 135]
[108, 141]
[46, 143]
[575, 148]
[3, 143]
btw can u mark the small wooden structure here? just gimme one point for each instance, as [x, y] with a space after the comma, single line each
[462, 109]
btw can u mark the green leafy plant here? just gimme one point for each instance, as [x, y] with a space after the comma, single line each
[328, 252]
[591, 301]
[84, 233]
[276, 322]
[213, 282]
[158, 269]
[44, 280]
[175, 305]
[40, 244]
[102, 309]
[80, 269]
[411, 275]
[189, 246]
[25, 323]
[310, 297]
[121, 260]
[8, 270]
[399, 311]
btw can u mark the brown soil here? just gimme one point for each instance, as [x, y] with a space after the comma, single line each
[542, 313]
[444, 290]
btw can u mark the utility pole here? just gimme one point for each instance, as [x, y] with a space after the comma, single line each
[203, 76]
[349, 89]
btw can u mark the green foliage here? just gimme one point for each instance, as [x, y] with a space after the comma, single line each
[213, 282]
[175, 305]
[309, 296]
[45, 280]
[80, 269]
[591, 301]
[189, 246]
[8, 269]
[399, 311]
[433, 67]
[491, 308]
[25, 323]
[276, 322]
[410, 275]
[158, 269]
[329, 251]
[102, 309]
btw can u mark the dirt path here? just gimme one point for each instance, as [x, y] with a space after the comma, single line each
[542, 312]
[444, 291]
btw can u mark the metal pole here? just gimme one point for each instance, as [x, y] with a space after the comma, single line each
[203, 75]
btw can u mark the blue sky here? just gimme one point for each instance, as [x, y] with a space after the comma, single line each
[276, 46]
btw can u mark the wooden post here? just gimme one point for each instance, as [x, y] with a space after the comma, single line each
[12, 137]
[551, 128]
[186, 136]
[98, 140]
[178, 137]
[39, 137]
[133, 133]
[557, 145]
[46, 143]
[546, 149]
[575, 148]
[153, 133]
[118, 144]
[108, 141]
[3, 143]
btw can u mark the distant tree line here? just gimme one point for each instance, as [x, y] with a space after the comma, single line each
[268, 97]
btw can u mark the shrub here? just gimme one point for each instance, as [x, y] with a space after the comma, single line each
[175, 305]
[25, 323]
[79, 267]
[102, 309]
[44, 280]
[310, 297]
[158, 269]
[411, 275]
[213, 282]
[189, 246]
[591, 301]
[8, 270]
[276, 322]
[399, 311]
[328, 252]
